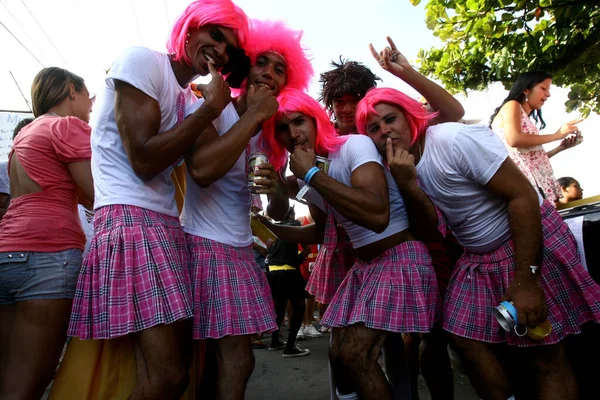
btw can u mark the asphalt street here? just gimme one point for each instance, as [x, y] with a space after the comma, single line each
[307, 378]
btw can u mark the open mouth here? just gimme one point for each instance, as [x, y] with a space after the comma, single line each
[209, 58]
[263, 84]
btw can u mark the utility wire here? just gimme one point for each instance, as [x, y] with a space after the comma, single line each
[45, 34]
[20, 91]
[25, 47]
[39, 51]
[167, 15]
[136, 22]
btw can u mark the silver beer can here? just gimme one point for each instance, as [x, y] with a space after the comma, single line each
[254, 160]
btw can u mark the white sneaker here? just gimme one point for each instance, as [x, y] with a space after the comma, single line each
[300, 335]
[311, 331]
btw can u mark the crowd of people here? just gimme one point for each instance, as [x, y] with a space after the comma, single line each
[428, 227]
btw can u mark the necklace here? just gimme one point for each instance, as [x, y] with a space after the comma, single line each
[52, 114]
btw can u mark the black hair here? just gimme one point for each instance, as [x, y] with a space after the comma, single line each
[346, 77]
[22, 124]
[523, 82]
[566, 181]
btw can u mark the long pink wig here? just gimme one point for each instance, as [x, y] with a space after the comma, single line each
[274, 36]
[207, 12]
[416, 115]
[292, 101]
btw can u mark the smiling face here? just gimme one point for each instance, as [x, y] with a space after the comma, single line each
[390, 123]
[537, 96]
[269, 71]
[296, 130]
[344, 108]
[209, 42]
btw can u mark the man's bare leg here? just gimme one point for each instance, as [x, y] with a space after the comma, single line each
[235, 361]
[436, 366]
[163, 349]
[359, 353]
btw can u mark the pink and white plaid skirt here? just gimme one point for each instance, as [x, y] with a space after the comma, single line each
[135, 275]
[395, 292]
[231, 293]
[333, 262]
[480, 280]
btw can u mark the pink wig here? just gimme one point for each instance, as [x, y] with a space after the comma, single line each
[275, 36]
[207, 12]
[416, 115]
[291, 101]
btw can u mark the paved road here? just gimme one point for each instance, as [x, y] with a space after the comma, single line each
[307, 378]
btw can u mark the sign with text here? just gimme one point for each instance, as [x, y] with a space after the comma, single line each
[8, 122]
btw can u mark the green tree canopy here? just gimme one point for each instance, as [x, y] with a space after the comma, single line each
[489, 41]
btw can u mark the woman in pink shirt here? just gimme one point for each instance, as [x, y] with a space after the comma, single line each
[42, 238]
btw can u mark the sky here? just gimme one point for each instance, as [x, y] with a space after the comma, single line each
[85, 36]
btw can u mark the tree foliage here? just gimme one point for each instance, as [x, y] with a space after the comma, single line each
[489, 41]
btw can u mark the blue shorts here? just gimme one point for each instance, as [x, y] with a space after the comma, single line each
[32, 275]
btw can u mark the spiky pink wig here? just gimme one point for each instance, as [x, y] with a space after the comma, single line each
[275, 36]
[416, 115]
[291, 101]
[207, 12]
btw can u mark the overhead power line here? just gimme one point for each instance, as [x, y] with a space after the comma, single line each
[45, 34]
[167, 15]
[38, 50]
[25, 47]
[20, 91]
[136, 22]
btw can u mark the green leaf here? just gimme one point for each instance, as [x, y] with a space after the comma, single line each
[473, 5]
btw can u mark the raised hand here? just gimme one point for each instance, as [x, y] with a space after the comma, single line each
[216, 93]
[569, 127]
[391, 59]
[261, 102]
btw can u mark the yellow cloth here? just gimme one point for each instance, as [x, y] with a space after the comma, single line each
[106, 369]
[178, 178]
[284, 267]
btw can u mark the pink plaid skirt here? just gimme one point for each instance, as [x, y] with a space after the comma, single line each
[333, 262]
[480, 280]
[231, 293]
[396, 292]
[135, 275]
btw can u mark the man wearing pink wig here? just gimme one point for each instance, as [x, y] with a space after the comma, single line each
[518, 249]
[232, 300]
[135, 279]
[392, 285]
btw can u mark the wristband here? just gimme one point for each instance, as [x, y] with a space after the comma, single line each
[310, 174]
[533, 268]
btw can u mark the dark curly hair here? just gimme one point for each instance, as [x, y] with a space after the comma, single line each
[346, 77]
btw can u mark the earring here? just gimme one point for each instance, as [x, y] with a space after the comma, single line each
[527, 98]
[187, 39]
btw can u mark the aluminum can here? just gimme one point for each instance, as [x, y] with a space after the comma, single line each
[506, 314]
[322, 163]
[254, 161]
